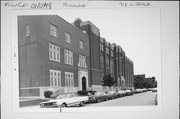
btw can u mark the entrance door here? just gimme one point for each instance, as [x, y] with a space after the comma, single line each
[83, 83]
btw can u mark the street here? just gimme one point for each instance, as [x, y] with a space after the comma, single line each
[141, 99]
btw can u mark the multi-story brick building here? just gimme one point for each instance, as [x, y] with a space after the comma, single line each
[106, 58]
[63, 57]
[53, 55]
[94, 51]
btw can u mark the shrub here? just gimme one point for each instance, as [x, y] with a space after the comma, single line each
[83, 92]
[48, 94]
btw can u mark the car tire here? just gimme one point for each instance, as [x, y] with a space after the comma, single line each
[64, 105]
[81, 103]
[97, 100]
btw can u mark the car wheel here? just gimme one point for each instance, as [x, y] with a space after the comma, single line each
[81, 103]
[97, 100]
[64, 105]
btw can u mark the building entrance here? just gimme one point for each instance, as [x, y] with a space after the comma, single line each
[83, 83]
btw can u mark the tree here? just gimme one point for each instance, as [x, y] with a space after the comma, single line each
[140, 82]
[108, 80]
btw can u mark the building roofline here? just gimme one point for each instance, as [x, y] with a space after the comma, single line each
[71, 25]
[89, 22]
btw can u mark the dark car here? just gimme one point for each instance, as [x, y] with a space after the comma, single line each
[128, 92]
[121, 93]
[86, 92]
[98, 96]
[154, 90]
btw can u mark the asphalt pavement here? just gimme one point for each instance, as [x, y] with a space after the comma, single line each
[140, 99]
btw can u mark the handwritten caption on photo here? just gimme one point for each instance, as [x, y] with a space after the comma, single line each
[52, 5]
[38, 5]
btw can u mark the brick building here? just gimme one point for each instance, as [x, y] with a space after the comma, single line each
[63, 57]
[53, 55]
[106, 58]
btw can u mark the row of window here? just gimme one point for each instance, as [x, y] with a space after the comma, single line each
[55, 78]
[53, 30]
[107, 50]
[54, 55]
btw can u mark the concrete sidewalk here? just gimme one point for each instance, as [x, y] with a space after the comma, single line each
[30, 101]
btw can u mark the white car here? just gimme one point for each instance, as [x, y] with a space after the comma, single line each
[112, 94]
[128, 92]
[65, 100]
[138, 91]
[121, 93]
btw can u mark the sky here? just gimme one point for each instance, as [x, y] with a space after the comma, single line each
[136, 30]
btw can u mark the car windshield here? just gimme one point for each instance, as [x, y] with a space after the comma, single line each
[62, 96]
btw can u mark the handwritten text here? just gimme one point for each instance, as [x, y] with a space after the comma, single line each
[74, 5]
[40, 5]
[134, 4]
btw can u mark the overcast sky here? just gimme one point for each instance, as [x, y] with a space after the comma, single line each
[136, 30]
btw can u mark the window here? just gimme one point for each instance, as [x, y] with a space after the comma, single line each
[27, 30]
[53, 30]
[68, 57]
[101, 47]
[81, 44]
[112, 54]
[84, 31]
[69, 79]
[107, 62]
[67, 37]
[55, 77]
[102, 61]
[54, 52]
[82, 61]
[107, 50]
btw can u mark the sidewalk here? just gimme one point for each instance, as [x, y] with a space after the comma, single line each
[30, 101]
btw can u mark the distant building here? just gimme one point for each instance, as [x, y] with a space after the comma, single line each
[62, 57]
[140, 76]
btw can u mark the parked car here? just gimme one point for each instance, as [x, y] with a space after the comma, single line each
[97, 97]
[65, 100]
[144, 90]
[121, 93]
[138, 91]
[149, 89]
[154, 90]
[112, 94]
[128, 92]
